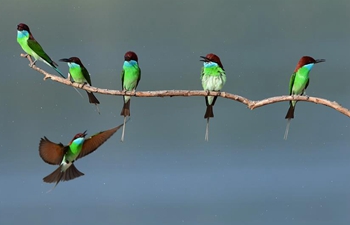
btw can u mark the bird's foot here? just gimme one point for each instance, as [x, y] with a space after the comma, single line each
[31, 64]
[68, 77]
[134, 92]
[82, 85]
[208, 92]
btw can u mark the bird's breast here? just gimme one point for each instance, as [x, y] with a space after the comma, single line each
[212, 83]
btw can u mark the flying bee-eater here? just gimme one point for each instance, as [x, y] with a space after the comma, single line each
[298, 83]
[66, 155]
[80, 75]
[213, 78]
[130, 76]
[28, 43]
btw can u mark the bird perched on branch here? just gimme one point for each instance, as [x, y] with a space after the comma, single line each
[298, 83]
[80, 75]
[130, 76]
[28, 43]
[213, 79]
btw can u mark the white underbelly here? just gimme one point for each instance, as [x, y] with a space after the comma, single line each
[212, 83]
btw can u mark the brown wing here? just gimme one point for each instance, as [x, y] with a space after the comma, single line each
[95, 141]
[50, 152]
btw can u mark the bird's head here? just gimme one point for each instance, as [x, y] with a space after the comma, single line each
[130, 56]
[79, 137]
[212, 58]
[23, 27]
[307, 61]
[72, 60]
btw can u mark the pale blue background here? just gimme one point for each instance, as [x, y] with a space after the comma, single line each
[164, 172]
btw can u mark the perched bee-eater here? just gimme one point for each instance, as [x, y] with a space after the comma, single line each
[213, 79]
[130, 77]
[80, 75]
[298, 83]
[32, 47]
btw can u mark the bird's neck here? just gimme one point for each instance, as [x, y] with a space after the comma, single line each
[76, 145]
[22, 34]
[131, 63]
[309, 66]
[210, 65]
[211, 70]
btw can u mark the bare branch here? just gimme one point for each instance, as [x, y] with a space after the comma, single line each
[186, 93]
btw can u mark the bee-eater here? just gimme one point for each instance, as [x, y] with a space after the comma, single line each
[80, 75]
[65, 156]
[28, 43]
[130, 77]
[213, 79]
[298, 83]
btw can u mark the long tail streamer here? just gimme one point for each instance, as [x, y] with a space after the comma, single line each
[287, 130]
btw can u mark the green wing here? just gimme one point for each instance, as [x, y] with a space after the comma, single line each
[202, 73]
[139, 78]
[223, 75]
[122, 78]
[291, 83]
[307, 84]
[86, 75]
[36, 47]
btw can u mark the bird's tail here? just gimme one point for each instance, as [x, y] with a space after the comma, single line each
[207, 131]
[58, 175]
[287, 130]
[78, 92]
[126, 109]
[209, 102]
[209, 112]
[92, 98]
[58, 71]
[289, 116]
[53, 65]
[290, 113]
[125, 112]
[122, 138]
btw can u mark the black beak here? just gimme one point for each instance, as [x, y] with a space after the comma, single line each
[204, 59]
[64, 60]
[84, 133]
[320, 60]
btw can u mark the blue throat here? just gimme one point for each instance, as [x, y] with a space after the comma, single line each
[309, 66]
[210, 64]
[130, 63]
[73, 65]
[79, 141]
[22, 34]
